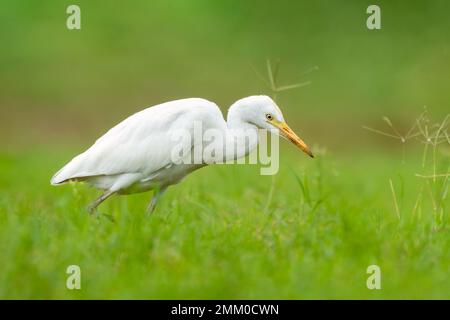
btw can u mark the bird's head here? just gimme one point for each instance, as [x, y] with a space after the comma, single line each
[264, 113]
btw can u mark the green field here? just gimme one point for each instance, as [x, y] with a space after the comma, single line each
[227, 232]
[310, 231]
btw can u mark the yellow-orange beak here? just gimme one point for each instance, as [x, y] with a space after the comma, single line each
[287, 133]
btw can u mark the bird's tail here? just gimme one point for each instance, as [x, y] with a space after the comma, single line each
[68, 172]
[57, 178]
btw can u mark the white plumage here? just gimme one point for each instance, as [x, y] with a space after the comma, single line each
[136, 155]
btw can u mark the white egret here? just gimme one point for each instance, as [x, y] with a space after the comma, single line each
[136, 155]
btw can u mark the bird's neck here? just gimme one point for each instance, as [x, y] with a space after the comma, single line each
[241, 136]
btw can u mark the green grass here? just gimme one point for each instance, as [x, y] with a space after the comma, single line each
[220, 233]
[227, 232]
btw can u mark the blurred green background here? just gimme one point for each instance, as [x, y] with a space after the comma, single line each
[70, 85]
[227, 232]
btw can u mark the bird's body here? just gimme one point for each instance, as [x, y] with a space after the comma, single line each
[129, 158]
[137, 154]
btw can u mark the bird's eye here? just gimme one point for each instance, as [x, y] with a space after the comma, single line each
[269, 117]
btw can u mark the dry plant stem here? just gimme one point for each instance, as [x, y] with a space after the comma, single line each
[431, 135]
[272, 74]
[433, 200]
[397, 210]
[434, 164]
[443, 195]
[439, 175]
[424, 156]
[418, 203]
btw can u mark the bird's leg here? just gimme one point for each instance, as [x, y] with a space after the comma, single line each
[93, 206]
[152, 205]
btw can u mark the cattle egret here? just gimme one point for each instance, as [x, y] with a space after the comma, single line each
[137, 154]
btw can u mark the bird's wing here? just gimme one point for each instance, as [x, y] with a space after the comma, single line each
[144, 142]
